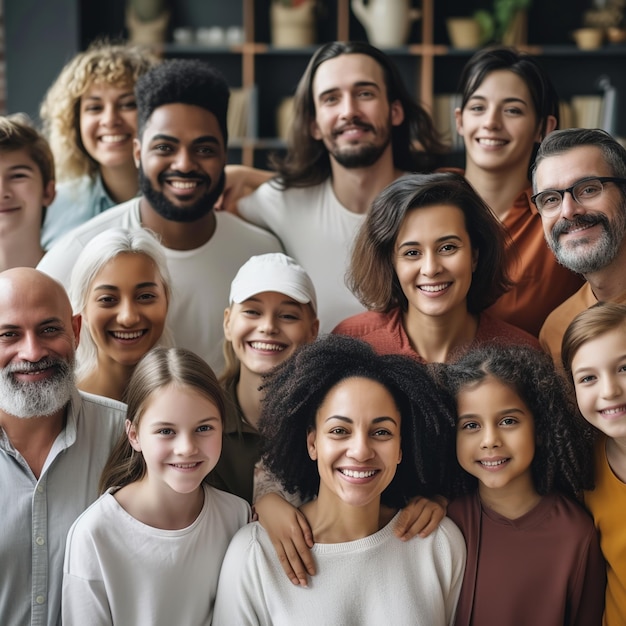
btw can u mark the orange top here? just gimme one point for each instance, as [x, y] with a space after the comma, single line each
[551, 335]
[541, 284]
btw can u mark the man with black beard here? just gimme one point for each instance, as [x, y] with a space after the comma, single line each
[54, 442]
[181, 153]
[579, 180]
[355, 130]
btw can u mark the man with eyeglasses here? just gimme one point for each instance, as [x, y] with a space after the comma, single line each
[579, 180]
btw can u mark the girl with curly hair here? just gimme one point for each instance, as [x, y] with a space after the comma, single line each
[594, 356]
[352, 433]
[90, 118]
[523, 459]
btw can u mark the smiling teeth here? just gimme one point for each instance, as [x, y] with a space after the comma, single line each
[134, 335]
[353, 474]
[614, 411]
[491, 142]
[112, 138]
[260, 345]
[434, 288]
[179, 184]
[184, 465]
[493, 463]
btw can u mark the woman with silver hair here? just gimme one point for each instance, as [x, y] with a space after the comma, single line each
[120, 286]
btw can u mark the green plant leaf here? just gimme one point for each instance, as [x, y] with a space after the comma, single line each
[487, 25]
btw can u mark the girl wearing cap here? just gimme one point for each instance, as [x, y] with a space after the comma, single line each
[272, 312]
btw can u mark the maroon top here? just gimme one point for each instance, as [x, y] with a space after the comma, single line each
[544, 568]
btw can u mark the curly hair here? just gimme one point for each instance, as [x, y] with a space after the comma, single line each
[371, 275]
[111, 64]
[158, 369]
[307, 162]
[296, 389]
[185, 81]
[563, 442]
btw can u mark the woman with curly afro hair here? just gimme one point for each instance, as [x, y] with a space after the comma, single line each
[523, 460]
[353, 433]
[90, 119]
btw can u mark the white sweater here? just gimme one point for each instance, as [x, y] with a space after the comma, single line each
[123, 572]
[373, 581]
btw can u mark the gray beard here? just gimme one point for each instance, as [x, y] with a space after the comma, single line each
[38, 398]
[579, 257]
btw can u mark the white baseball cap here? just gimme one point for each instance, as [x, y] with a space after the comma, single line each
[273, 272]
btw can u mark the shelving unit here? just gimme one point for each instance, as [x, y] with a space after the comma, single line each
[427, 63]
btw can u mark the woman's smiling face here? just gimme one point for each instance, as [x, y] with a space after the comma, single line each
[434, 260]
[126, 308]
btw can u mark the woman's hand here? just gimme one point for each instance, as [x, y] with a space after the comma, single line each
[290, 534]
[241, 181]
[420, 517]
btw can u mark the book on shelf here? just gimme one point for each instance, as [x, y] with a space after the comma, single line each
[444, 106]
[242, 113]
[591, 111]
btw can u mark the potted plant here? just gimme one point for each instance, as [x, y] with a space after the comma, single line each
[506, 23]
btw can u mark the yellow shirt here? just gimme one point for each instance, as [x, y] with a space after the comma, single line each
[607, 503]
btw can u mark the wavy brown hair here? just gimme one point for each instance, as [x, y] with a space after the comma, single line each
[371, 275]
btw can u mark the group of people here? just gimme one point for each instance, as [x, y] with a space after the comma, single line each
[162, 370]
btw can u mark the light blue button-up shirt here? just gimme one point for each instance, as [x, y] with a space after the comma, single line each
[36, 514]
[76, 202]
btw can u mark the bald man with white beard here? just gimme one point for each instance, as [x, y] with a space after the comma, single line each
[54, 442]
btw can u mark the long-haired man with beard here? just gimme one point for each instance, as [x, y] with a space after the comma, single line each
[356, 129]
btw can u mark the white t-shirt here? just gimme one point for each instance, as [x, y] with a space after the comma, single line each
[200, 277]
[318, 232]
[372, 581]
[120, 571]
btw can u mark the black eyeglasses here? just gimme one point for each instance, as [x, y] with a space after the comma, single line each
[584, 191]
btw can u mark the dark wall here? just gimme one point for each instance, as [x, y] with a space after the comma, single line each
[40, 38]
